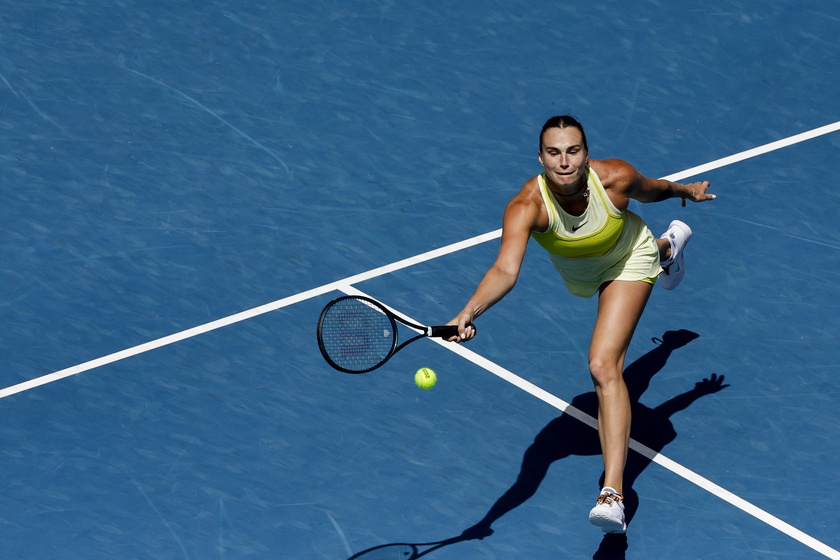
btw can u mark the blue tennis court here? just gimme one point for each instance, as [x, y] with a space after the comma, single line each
[187, 184]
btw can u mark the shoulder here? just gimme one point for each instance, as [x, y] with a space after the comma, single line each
[526, 210]
[615, 174]
[620, 180]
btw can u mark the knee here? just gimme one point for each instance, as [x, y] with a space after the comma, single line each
[604, 372]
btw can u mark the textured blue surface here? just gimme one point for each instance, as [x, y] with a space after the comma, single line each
[168, 164]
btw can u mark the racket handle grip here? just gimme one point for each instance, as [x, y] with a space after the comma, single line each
[445, 331]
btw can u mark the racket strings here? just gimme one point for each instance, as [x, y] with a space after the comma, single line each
[356, 335]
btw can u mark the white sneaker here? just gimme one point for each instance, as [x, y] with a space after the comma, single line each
[678, 235]
[608, 513]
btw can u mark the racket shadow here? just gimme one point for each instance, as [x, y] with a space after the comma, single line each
[403, 551]
[565, 436]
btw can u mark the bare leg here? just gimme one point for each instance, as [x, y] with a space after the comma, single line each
[664, 247]
[619, 308]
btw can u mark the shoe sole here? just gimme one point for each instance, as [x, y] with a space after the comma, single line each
[676, 271]
[607, 524]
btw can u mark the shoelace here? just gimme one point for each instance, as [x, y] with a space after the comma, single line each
[608, 498]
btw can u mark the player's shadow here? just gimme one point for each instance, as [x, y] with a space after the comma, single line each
[565, 436]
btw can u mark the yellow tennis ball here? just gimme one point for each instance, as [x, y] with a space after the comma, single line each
[425, 378]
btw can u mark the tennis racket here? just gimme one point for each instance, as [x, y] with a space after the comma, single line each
[357, 334]
[401, 551]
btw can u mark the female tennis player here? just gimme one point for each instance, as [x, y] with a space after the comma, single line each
[577, 211]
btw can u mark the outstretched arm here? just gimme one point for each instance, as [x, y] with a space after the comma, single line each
[708, 386]
[520, 216]
[624, 181]
[656, 190]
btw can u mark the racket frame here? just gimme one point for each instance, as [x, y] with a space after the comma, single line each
[441, 331]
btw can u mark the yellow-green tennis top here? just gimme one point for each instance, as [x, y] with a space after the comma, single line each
[601, 245]
[591, 234]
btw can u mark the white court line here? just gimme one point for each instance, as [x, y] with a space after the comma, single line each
[242, 316]
[753, 152]
[345, 285]
[644, 450]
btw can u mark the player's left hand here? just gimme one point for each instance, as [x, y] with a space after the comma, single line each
[696, 192]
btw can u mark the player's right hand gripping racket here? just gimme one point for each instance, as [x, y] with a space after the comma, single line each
[357, 334]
